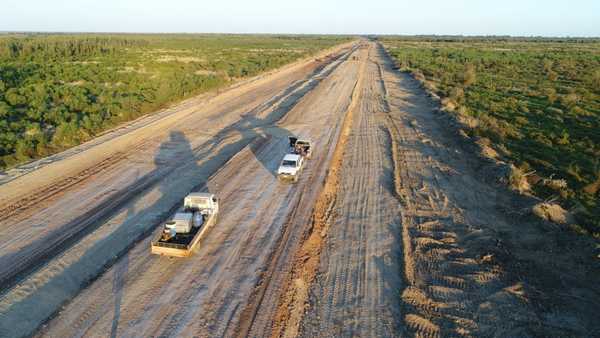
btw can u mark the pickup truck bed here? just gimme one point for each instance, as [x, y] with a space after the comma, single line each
[182, 245]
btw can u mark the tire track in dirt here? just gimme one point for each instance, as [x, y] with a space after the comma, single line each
[457, 285]
[474, 266]
[258, 315]
[219, 312]
[39, 198]
[355, 292]
[180, 319]
[305, 262]
[176, 319]
[223, 326]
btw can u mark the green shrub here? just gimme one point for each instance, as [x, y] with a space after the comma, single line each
[69, 88]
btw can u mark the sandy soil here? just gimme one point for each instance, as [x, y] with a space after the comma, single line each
[356, 293]
[423, 244]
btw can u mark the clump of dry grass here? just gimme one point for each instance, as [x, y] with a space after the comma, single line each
[517, 180]
[555, 184]
[593, 187]
[468, 121]
[448, 104]
[418, 75]
[485, 146]
[552, 212]
[469, 76]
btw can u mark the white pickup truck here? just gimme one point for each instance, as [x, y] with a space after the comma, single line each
[182, 233]
[290, 167]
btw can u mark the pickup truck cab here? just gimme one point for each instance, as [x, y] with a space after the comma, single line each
[290, 167]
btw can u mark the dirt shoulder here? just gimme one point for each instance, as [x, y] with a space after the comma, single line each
[476, 263]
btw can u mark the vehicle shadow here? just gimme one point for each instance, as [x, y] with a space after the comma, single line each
[175, 150]
[176, 173]
[261, 123]
[120, 274]
[254, 130]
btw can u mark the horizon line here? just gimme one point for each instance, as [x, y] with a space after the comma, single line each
[322, 34]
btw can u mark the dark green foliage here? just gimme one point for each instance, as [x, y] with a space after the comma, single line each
[57, 91]
[537, 99]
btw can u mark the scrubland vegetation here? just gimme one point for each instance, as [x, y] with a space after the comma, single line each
[57, 91]
[535, 102]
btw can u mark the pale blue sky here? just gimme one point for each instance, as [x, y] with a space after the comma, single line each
[468, 17]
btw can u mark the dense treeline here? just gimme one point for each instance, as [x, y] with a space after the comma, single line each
[51, 47]
[57, 91]
[536, 102]
[490, 38]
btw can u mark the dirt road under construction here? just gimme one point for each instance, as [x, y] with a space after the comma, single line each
[395, 228]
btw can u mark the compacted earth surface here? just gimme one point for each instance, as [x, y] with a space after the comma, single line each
[395, 227]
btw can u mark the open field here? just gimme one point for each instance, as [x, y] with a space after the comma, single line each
[57, 91]
[396, 227]
[536, 103]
